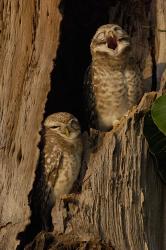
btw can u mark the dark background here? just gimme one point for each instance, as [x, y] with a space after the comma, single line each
[81, 18]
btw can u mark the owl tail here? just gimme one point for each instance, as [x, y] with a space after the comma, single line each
[46, 209]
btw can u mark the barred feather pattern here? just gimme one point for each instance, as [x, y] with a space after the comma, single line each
[113, 82]
[60, 163]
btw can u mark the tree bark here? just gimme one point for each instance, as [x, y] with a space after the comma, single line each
[121, 201]
[120, 204]
[28, 42]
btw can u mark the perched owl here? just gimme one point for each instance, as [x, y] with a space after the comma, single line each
[61, 158]
[113, 83]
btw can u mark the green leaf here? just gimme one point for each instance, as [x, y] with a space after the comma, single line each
[157, 144]
[158, 112]
[156, 139]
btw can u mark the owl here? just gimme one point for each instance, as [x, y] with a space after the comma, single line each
[113, 83]
[61, 159]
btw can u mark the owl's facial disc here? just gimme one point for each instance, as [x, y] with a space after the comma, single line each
[74, 125]
[73, 128]
[69, 131]
[64, 124]
[111, 40]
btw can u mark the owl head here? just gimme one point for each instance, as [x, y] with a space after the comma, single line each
[111, 40]
[64, 124]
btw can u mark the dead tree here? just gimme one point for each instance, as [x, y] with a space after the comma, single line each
[121, 202]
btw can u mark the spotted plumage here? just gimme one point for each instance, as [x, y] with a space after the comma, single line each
[61, 158]
[113, 83]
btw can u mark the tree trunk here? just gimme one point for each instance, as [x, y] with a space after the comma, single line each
[121, 201]
[120, 204]
[28, 42]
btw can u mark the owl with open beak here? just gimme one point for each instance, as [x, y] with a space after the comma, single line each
[113, 82]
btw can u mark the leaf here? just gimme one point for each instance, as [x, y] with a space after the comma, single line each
[157, 144]
[158, 112]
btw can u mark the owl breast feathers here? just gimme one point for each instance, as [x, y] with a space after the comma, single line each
[113, 83]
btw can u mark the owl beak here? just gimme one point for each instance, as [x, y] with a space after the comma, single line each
[112, 42]
[67, 132]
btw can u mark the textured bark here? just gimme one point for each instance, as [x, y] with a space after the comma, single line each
[28, 42]
[121, 201]
[163, 83]
[160, 34]
[122, 197]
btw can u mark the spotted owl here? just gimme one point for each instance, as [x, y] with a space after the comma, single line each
[61, 158]
[113, 82]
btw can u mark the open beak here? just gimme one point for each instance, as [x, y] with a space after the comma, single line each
[112, 42]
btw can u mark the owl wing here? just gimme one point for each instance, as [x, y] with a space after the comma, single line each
[89, 99]
[52, 166]
[134, 80]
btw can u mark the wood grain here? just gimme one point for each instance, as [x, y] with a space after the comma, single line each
[122, 196]
[28, 42]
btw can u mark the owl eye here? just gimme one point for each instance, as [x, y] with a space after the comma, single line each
[101, 37]
[54, 127]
